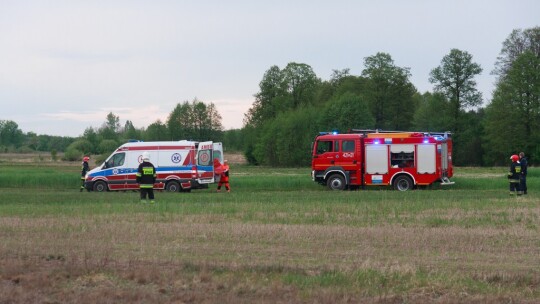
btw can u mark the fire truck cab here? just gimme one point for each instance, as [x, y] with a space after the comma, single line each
[403, 160]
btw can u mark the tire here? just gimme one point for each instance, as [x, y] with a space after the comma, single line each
[100, 186]
[173, 186]
[336, 182]
[403, 183]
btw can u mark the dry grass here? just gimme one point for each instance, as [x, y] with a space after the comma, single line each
[200, 258]
[271, 245]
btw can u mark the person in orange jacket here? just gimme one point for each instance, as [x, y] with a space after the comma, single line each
[224, 177]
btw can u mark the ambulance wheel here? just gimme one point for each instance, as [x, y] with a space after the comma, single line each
[403, 183]
[336, 182]
[100, 186]
[172, 186]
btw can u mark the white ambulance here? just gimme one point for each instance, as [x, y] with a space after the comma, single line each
[180, 166]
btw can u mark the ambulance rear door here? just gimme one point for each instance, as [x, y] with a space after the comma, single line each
[205, 163]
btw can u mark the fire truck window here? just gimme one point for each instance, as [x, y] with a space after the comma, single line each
[116, 160]
[324, 146]
[402, 160]
[347, 146]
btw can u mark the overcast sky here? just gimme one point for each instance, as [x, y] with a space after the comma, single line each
[64, 65]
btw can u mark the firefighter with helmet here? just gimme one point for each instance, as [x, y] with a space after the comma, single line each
[84, 169]
[146, 177]
[514, 175]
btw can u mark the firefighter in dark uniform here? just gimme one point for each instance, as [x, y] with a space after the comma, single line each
[146, 177]
[524, 165]
[84, 169]
[514, 175]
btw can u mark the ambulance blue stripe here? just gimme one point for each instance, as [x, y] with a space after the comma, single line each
[124, 171]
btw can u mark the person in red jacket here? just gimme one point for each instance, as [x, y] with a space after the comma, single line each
[224, 177]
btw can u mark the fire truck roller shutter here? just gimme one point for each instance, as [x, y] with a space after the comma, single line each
[376, 159]
[426, 158]
[402, 148]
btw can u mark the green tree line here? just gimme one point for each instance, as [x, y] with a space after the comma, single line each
[293, 104]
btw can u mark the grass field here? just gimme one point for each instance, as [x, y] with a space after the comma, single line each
[276, 238]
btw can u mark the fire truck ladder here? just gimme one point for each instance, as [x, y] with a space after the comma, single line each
[446, 134]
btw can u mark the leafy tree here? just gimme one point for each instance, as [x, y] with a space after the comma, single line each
[179, 120]
[517, 43]
[92, 136]
[111, 127]
[81, 145]
[433, 113]
[156, 131]
[130, 132]
[295, 131]
[468, 146]
[107, 146]
[72, 154]
[513, 117]
[286, 141]
[195, 120]
[216, 127]
[389, 92]
[282, 90]
[200, 127]
[31, 140]
[301, 83]
[357, 85]
[338, 76]
[233, 140]
[10, 134]
[454, 78]
[264, 108]
[347, 112]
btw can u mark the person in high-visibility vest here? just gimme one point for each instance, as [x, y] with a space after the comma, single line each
[224, 177]
[84, 169]
[146, 177]
[514, 175]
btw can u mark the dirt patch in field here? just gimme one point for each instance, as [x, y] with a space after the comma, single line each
[235, 158]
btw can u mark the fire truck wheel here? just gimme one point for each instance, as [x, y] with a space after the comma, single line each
[403, 183]
[100, 186]
[172, 186]
[336, 182]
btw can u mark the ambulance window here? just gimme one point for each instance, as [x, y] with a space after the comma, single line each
[347, 146]
[116, 160]
[217, 155]
[324, 146]
[205, 158]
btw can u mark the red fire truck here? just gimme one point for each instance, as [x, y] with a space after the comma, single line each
[403, 160]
